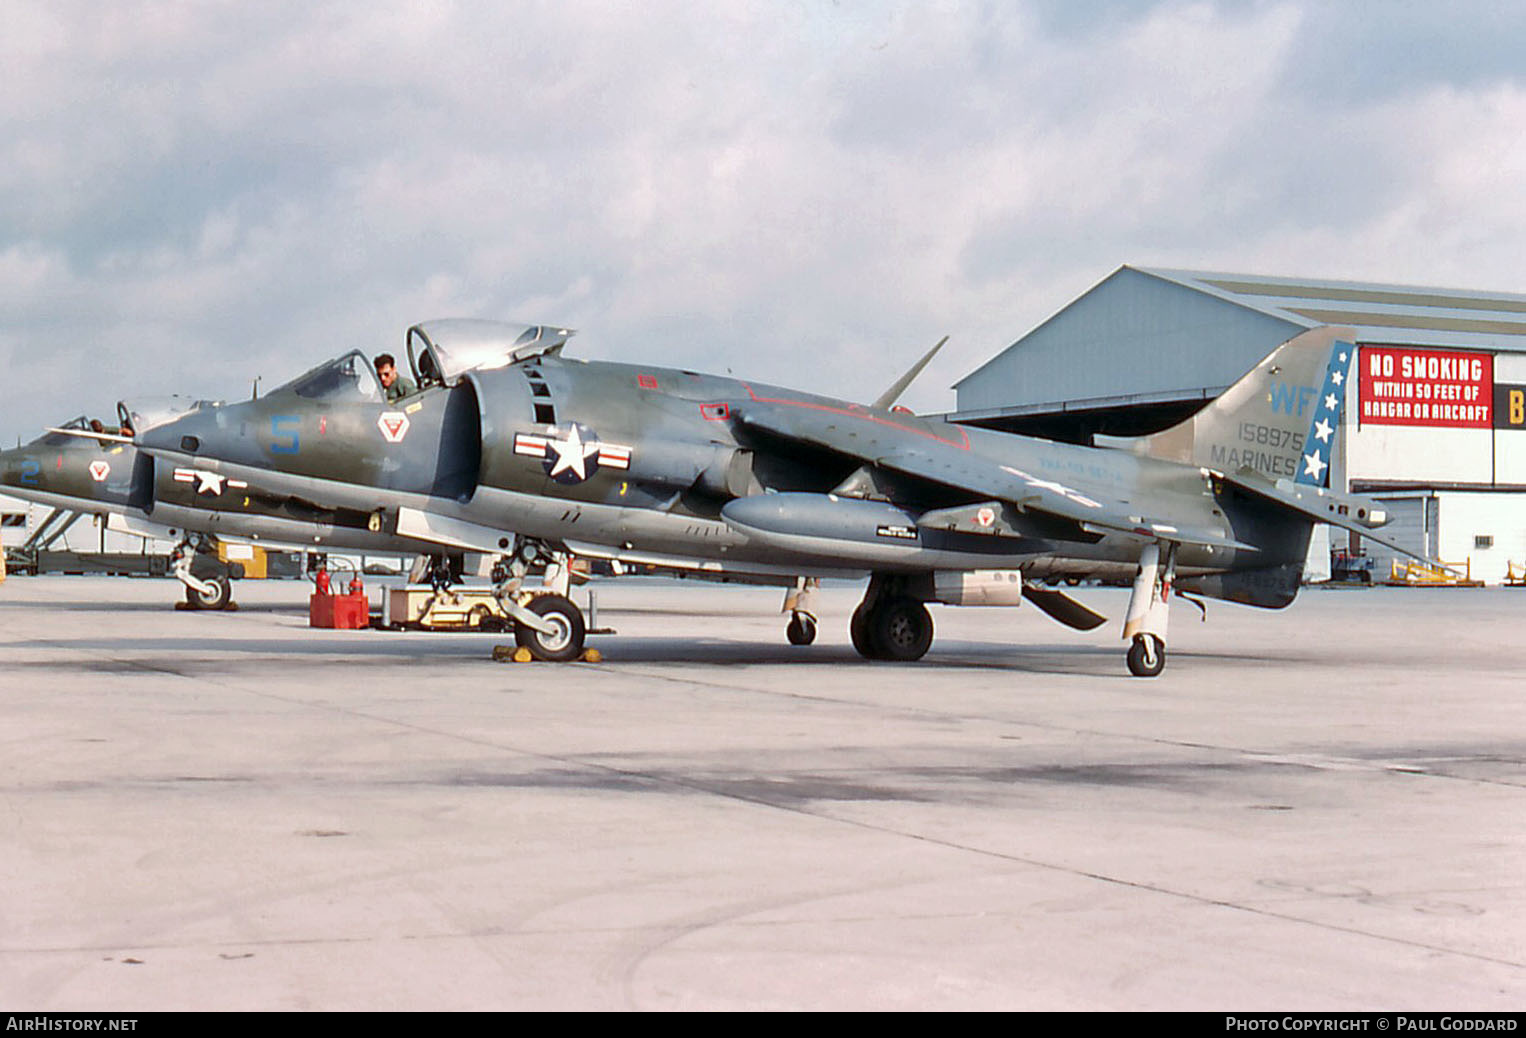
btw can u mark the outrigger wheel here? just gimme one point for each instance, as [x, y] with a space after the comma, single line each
[563, 643]
[1147, 656]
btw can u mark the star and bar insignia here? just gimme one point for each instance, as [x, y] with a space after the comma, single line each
[207, 483]
[574, 456]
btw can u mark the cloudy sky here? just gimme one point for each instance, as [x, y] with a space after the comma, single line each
[804, 191]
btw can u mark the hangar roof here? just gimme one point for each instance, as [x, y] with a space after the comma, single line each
[1379, 312]
[1148, 334]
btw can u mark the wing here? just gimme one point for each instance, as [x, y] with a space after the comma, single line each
[939, 453]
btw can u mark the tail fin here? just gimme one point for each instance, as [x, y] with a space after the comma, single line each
[1280, 419]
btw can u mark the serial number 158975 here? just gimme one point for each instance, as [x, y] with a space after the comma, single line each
[1267, 436]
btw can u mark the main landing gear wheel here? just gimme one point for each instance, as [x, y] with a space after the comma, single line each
[801, 629]
[893, 629]
[902, 629]
[217, 596]
[1147, 656]
[858, 630]
[563, 643]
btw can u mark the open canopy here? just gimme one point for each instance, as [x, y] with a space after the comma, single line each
[444, 350]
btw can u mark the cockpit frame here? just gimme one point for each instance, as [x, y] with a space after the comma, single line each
[349, 376]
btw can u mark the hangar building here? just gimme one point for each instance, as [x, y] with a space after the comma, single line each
[1436, 419]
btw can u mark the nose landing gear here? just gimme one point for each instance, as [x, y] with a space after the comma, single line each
[546, 623]
[207, 579]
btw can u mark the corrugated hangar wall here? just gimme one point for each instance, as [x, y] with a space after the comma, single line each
[1436, 417]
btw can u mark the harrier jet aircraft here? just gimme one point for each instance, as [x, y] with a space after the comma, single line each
[510, 446]
[86, 467]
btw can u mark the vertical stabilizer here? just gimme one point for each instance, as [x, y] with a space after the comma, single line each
[1280, 419]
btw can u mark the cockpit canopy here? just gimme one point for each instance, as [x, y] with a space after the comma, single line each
[444, 350]
[349, 377]
[440, 352]
[55, 437]
[142, 414]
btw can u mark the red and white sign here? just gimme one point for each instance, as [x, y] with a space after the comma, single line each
[99, 470]
[393, 426]
[1447, 389]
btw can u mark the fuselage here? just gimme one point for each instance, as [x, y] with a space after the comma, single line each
[97, 476]
[645, 459]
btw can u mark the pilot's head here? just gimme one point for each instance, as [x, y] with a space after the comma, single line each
[386, 369]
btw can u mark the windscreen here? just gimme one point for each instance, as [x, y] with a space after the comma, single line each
[140, 415]
[350, 377]
[58, 439]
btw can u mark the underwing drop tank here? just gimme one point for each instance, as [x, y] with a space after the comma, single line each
[854, 531]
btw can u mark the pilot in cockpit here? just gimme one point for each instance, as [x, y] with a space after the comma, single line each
[395, 385]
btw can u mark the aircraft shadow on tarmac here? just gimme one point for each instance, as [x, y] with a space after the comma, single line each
[157, 606]
[388, 649]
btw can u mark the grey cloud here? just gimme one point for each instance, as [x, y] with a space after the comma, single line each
[806, 194]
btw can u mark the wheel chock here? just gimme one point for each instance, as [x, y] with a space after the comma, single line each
[511, 654]
[520, 654]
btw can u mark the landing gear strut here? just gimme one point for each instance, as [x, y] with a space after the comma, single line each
[546, 621]
[890, 624]
[1149, 611]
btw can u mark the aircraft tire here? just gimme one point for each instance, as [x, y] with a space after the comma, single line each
[218, 597]
[858, 630]
[901, 629]
[1147, 656]
[801, 630]
[566, 642]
